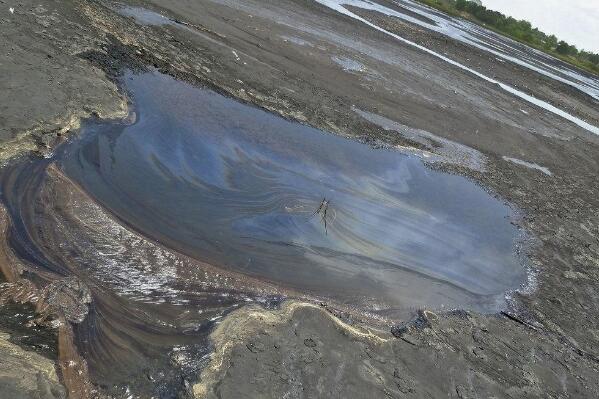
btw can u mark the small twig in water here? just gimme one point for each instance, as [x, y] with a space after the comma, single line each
[319, 208]
[322, 210]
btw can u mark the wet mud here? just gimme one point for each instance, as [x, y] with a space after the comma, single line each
[131, 335]
[196, 204]
[132, 251]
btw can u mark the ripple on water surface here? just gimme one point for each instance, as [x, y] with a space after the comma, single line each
[237, 187]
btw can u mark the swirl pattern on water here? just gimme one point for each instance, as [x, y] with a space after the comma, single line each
[237, 187]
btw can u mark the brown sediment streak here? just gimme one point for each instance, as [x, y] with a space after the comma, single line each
[73, 368]
[16, 289]
[9, 265]
[118, 331]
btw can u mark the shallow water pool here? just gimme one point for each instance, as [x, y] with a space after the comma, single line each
[250, 192]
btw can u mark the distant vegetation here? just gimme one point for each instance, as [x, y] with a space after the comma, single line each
[519, 30]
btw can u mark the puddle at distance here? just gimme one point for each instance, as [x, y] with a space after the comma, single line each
[341, 6]
[501, 46]
[530, 165]
[236, 187]
[296, 40]
[457, 29]
[144, 16]
[438, 149]
[348, 64]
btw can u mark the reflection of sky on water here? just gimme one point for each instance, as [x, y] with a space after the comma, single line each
[144, 16]
[233, 185]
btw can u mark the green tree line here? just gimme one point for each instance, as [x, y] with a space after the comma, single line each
[520, 30]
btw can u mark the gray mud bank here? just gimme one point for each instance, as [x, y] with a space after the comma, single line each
[174, 244]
